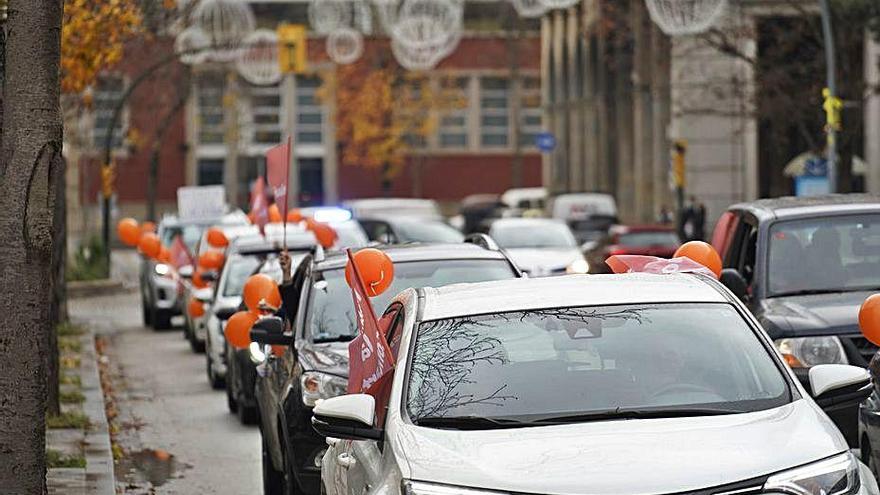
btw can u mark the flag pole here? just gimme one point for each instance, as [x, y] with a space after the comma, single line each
[286, 193]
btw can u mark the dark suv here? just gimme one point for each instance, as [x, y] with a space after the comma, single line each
[804, 266]
[316, 365]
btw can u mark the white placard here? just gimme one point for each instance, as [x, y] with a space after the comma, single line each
[201, 202]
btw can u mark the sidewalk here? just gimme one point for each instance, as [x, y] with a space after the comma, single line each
[83, 443]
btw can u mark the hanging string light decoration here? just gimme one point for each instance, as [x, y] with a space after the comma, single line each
[682, 17]
[424, 32]
[226, 24]
[257, 60]
[192, 45]
[559, 4]
[326, 16]
[530, 8]
[345, 45]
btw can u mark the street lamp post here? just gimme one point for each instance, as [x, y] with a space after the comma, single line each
[830, 96]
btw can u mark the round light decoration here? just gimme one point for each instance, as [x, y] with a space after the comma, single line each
[326, 16]
[192, 45]
[681, 17]
[226, 24]
[530, 8]
[559, 4]
[257, 60]
[345, 45]
[426, 31]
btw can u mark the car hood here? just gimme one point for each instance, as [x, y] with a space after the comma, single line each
[625, 456]
[329, 358]
[820, 314]
[540, 262]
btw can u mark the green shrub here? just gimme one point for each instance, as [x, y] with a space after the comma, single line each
[74, 397]
[89, 262]
[72, 419]
[55, 459]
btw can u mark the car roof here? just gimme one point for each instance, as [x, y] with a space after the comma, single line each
[526, 222]
[402, 253]
[567, 291]
[791, 206]
[235, 217]
[257, 244]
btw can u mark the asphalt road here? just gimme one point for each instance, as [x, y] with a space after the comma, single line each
[177, 434]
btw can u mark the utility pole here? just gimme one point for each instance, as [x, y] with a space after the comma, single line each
[832, 103]
[292, 57]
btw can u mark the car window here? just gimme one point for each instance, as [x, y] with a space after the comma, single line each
[331, 311]
[428, 231]
[543, 235]
[844, 252]
[723, 234]
[238, 272]
[648, 239]
[580, 360]
[191, 235]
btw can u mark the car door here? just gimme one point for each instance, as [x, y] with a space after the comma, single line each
[359, 462]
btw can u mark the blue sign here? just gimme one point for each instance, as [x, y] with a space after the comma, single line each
[546, 142]
[807, 185]
[816, 167]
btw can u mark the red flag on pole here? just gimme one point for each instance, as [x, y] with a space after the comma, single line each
[278, 173]
[259, 204]
[369, 357]
[631, 263]
[180, 255]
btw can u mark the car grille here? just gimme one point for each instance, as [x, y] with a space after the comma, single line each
[865, 347]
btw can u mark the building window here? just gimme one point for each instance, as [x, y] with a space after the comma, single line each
[453, 129]
[108, 93]
[210, 172]
[494, 112]
[265, 107]
[530, 124]
[210, 87]
[309, 111]
[413, 114]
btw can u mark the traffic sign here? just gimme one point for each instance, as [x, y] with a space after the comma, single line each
[545, 142]
[292, 48]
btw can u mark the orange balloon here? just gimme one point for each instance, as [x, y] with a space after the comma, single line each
[211, 260]
[278, 350]
[238, 329]
[869, 319]
[261, 287]
[148, 227]
[375, 268]
[275, 214]
[325, 235]
[129, 231]
[164, 255]
[197, 280]
[311, 224]
[195, 308]
[294, 216]
[216, 238]
[150, 245]
[702, 253]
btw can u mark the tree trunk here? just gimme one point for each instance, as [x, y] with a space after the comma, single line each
[58, 303]
[29, 174]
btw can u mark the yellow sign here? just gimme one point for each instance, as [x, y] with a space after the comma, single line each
[832, 107]
[679, 150]
[108, 177]
[292, 48]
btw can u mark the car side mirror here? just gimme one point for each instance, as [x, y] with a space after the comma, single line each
[347, 416]
[734, 281]
[270, 331]
[186, 272]
[837, 384]
[224, 314]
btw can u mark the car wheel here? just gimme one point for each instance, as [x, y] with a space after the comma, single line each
[146, 313]
[161, 319]
[231, 403]
[196, 346]
[273, 481]
[248, 415]
[216, 382]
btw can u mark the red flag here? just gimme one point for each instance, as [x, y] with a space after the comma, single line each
[650, 264]
[180, 255]
[277, 173]
[369, 357]
[259, 203]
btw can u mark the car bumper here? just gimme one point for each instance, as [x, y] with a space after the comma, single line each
[216, 347]
[164, 294]
[308, 452]
[200, 328]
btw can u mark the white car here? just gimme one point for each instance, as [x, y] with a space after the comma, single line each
[600, 385]
[541, 247]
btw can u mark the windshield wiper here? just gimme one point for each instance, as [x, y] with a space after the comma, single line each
[337, 338]
[619, 413]
[472, 422]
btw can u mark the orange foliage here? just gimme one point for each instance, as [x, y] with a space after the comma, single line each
[93, 37]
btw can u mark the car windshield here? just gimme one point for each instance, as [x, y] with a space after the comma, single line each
[428, 231]
[331, 314]
[648, 239]
[562, 364]
[844, 252]
[191, 235]
[238, 272]
[533, 235]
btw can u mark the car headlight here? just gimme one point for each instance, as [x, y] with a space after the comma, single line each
[316, 386]
[838, 475]
[162, 269]
[422, 488]
[806, 352]
[578, 266]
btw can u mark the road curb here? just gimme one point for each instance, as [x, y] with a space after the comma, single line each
[92, 288]
[100, 478]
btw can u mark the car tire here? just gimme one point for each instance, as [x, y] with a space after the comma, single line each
[196, 346]
[231, 403]
[146, 313]
[273, 481]
[161, 319]
[217, 382]
[248, 415]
